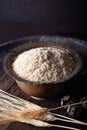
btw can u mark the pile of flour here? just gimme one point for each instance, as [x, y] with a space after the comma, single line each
[44, 64]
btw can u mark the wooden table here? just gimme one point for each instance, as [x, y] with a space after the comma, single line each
[77, 87]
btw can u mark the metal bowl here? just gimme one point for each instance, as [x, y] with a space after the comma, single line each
[37, 89]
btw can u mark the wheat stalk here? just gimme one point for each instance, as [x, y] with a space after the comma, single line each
[13, 109]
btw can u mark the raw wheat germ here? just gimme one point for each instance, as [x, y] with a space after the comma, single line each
[44, 64]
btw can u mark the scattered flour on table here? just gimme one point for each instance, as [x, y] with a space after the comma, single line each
[44, 64]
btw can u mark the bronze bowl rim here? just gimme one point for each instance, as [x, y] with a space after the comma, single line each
[7, 61]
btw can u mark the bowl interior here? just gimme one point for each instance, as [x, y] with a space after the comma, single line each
[21, 48]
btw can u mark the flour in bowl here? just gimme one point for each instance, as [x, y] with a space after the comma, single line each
[44, 64]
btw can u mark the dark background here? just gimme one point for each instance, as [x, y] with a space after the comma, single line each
[19, 18]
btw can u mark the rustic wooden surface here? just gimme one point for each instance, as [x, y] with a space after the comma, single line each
[8, 84]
